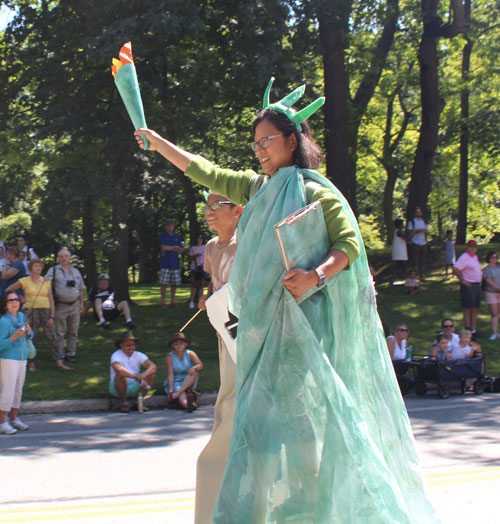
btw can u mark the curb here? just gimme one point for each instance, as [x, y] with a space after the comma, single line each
[39, 407]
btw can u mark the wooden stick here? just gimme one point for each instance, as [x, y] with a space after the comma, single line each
[190, 320]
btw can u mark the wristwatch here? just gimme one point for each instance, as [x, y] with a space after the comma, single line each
[321, 277]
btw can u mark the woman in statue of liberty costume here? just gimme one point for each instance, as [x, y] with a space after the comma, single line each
[320, 433]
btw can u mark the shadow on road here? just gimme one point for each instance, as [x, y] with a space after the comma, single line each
[467, 423]
[106, 432]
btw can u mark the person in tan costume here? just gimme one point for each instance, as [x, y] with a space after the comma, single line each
[222, 216]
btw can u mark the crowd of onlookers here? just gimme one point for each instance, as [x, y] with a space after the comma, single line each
[409, 252]
[447, 346]
[54, 302]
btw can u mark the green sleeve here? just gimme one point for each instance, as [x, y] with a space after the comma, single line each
[234, 185]
[238, 186]
[342, 235]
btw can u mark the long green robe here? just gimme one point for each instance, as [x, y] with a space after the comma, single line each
[320, 434]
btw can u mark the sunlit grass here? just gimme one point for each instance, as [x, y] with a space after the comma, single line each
[155, 326]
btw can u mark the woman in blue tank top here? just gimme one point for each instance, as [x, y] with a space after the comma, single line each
[183, 366]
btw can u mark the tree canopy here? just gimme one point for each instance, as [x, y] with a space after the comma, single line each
[71, 173]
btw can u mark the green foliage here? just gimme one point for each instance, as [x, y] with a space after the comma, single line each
[66, 141]
[370, 231]
[13, 226]
[96, 345]
[422, 313]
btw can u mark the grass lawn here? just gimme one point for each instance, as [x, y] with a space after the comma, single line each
[96, 345]
[422, 313]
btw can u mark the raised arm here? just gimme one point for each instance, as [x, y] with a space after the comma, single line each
[180, 158]
[13, 287]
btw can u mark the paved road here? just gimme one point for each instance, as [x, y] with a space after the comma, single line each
[115, 468]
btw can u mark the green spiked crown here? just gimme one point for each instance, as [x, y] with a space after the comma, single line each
[284, 106]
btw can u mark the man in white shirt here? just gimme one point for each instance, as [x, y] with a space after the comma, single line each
[417, 241]
[448, 330]
[126, 378]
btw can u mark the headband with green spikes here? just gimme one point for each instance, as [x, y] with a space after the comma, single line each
[285, 104]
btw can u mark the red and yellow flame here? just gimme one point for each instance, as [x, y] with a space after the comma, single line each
[125, 58]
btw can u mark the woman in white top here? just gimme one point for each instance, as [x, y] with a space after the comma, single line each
[396, 343]
[399, 251]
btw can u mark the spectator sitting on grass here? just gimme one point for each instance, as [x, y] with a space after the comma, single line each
[411, 285]
[126, 379]
[183, 366]
[440, 350]
[106, 308]
[466, 347]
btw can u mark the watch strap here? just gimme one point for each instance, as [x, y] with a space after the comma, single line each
[321, 277]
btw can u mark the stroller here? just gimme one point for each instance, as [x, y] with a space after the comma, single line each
[448, 373]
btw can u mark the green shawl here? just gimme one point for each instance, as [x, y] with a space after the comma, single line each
[321, 434]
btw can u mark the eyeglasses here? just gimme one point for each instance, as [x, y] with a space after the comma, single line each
[403, 330]
[263, 143]
[13, 300]
[448, 326]
[215, 206]
[494, 256]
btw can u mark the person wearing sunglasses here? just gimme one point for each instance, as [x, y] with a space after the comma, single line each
[397, 344]
[14, 331]
[448, 330]
[309, 400]
[222, 217]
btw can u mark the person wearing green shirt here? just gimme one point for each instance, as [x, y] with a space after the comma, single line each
[320, 432]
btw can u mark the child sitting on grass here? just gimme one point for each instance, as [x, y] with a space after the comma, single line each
[411, 285]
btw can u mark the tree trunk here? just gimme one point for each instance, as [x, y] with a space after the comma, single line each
[388, 160]
[89, 260]
[333, 32]
[118, 258]
[432, 105]
[147, 237]
[388, 203]
[464, 136]
[431, 101]
[343, 115]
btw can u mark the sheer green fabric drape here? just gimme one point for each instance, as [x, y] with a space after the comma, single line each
[321, 434]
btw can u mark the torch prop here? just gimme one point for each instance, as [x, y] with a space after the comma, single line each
[190, 320]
